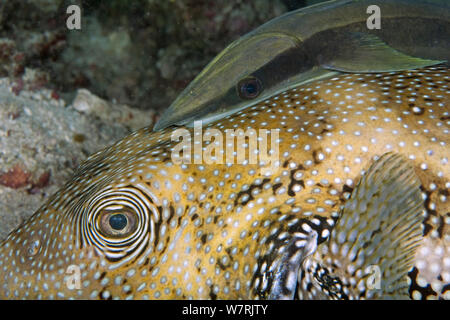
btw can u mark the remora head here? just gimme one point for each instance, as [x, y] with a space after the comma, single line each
[236, 78]
[309, 44]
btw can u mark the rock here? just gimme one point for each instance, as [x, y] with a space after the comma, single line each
[88, 103]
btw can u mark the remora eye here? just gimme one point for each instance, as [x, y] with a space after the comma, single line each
[117, 222]
[249, 88]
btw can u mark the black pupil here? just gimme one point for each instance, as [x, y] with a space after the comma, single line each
[250, 88]
[118, 221]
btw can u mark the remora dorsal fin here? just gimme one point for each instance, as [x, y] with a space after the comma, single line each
[363, 52]
[372, 246]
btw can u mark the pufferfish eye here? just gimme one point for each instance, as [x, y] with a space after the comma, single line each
[117, 223]
[249, 88]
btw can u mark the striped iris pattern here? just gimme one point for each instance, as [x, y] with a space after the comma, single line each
[141, 214]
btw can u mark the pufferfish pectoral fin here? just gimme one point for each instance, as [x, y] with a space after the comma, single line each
[363, 52]
[285, 268]
[372, 247]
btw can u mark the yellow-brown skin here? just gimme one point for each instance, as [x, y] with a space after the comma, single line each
[330, 131]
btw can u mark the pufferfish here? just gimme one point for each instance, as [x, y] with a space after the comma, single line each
[355, 206]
